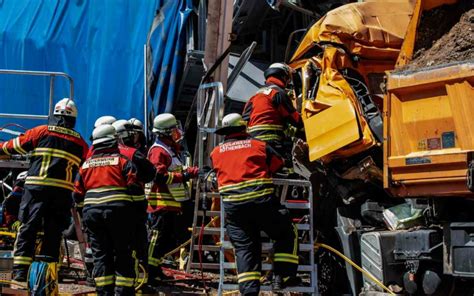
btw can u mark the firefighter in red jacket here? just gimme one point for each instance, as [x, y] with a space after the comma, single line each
[104, 188]
[139, 139]
[57, 152]
[167, 192]
[269, 111]
[145, 174]
[244, 168]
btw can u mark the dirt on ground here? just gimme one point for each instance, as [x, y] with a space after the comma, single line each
[445, 35]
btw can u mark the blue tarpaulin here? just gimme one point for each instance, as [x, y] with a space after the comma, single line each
[99, 43]
[167, 52]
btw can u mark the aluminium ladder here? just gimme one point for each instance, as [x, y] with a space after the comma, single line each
[306, 243]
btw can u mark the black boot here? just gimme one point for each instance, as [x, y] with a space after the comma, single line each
[20, 274]
[280, 282]
[277, 283]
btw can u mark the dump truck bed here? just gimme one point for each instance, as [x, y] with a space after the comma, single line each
[429, 131]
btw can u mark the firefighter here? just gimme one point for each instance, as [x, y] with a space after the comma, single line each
[57, 151]
[11, 204]
[104, 191]
[244, 168]
[145, 174]
[270, 109]
[139, 139]
[106, 119]
[168, 191]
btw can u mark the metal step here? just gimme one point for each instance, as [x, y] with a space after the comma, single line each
[209, 213]
[293, 205]
[296, 289]
[265, 247]
[217, 231]
[214, 266]
[267, 266]
[301, 226]
[231, 265]
[209, 230]
[211, 194]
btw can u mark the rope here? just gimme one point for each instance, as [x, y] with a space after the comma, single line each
[364, 272]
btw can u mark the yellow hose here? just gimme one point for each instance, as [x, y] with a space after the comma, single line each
[11, 234]
[145, 276]
[366, 273]
[13, 283]
[188, 241]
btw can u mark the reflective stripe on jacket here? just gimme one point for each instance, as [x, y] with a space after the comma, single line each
[268, 111]
[56, 155]
[244, 167]
[106, 179]
[170, 193]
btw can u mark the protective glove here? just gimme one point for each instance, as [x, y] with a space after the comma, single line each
[193, 172]
[15, 226]
[190, 173]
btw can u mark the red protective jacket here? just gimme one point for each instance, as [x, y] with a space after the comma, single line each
[56, 155]
[244, 168]
[106, 178]
[166, 192]
[145, 170]
[269, 110]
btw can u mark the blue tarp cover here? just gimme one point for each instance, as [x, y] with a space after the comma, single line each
[99, 43]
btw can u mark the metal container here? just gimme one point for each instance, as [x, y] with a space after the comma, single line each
[428, 131]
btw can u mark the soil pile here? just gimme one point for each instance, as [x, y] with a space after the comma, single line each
[445, 35]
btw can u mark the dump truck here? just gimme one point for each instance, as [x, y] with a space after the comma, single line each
[389, 147]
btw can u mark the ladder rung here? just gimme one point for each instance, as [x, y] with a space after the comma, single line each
[291, 182]
[209, 213]
[302, 247]
[211, 194]
[266, 266]
[292, 205]
[300, 226]
[268, 246]
[265, 247]
[212, 248]
[229, 265]
[209, 230]
[298, 289]
[196, 265]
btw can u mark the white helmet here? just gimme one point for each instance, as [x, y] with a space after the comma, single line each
[278, 69]
[164, 123]
[137, 125]
[65, 107]
[103, 133]
[22, 176]
[107, 119]
[231, 122]
[122, 128]
[233, 119]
